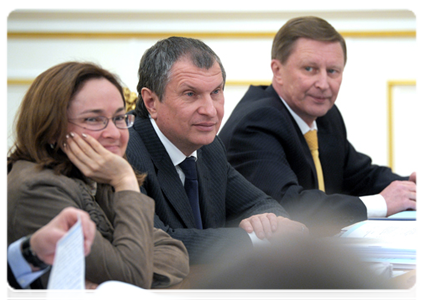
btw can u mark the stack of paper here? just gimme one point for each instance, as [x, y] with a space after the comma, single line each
[409, 215]
[387, 241]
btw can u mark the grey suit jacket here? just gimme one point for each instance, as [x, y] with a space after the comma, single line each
[226, 197]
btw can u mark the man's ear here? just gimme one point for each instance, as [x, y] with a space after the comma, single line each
[150, 99]
[276, 67]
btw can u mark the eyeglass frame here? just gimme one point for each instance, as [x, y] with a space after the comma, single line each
[130, 118]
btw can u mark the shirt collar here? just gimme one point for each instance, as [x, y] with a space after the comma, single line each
[300, 122]
[175, 154]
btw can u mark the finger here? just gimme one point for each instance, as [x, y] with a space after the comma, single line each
[266, 225]
[246, 225]
[413, 196]
[273, 221]
[69, 215]
[258, 226]
[75, 158]
[253, 224]
[83, 155]
[413, 177]
[81, 145]
[73, 150]
[412, 205]
[415, 189]
[94, 144]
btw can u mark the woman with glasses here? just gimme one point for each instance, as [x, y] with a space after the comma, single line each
[71, 137]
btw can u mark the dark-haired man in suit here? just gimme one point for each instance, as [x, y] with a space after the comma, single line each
[178, 115]
[266, 136]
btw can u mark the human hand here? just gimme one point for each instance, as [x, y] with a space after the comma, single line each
[99, 164]
[43, 241]
[400, 196]
[413, 177]
[263, 224]
[287, 228]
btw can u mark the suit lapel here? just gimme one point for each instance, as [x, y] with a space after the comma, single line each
[170, 183]
[298, 137]
[329, 151]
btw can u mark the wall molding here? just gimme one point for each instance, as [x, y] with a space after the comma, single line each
[208, 35]
[19, 81]
[390, 117]
[27, 81]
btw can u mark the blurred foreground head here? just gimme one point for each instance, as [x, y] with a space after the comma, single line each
[297, 264]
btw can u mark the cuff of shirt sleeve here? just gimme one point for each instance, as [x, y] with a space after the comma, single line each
[19, 266]
[258, 242]
[376, 205]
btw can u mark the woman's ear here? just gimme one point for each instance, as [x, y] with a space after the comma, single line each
[150, 99]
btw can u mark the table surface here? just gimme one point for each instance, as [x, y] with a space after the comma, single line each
[196, 274]
[406, 280]
[408, 283]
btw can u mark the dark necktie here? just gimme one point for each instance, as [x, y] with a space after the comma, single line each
[191, 188]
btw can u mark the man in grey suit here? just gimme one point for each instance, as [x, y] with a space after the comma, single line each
[178, 115]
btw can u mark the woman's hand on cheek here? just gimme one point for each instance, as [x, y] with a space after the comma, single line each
[99, 164]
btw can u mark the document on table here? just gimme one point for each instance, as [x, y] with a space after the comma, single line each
[387, 241]
[404, 215]
[387, 229]
[409, 215]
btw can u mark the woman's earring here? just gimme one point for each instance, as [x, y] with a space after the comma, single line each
[52, 146]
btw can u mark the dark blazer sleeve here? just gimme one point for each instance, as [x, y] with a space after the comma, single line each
[264, 144]
[242, 199]
[14, 290]
[349, 171]
[172, 213]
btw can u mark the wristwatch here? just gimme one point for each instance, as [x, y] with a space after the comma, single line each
[30, 256]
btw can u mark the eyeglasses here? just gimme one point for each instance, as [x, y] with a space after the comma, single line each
[99, 123]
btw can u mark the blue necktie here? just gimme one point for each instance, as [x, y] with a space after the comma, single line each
[191, 188]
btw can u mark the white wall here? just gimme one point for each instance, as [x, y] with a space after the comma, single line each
[372, 61]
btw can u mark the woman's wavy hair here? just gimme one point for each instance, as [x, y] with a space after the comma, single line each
[41, 122]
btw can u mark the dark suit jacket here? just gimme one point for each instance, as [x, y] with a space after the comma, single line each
[265, 144]
[14, 290]
[226, 197]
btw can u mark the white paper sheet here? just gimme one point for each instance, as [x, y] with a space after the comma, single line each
[383, 230]
[68, 271]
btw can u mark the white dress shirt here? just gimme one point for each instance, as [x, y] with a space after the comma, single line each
[175, 154]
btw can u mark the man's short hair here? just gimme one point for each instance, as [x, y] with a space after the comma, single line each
[304, 27]
[155, 66]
